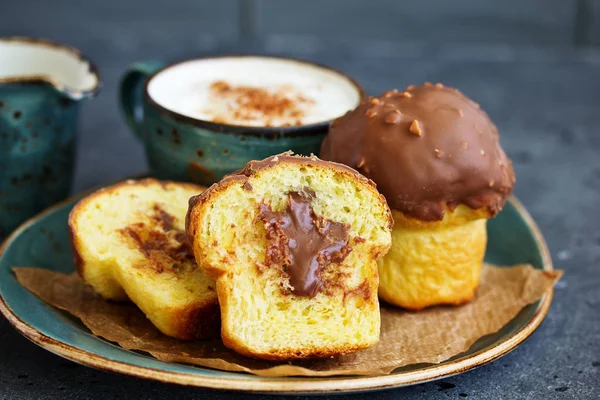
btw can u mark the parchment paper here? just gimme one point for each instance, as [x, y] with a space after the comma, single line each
[429, 336]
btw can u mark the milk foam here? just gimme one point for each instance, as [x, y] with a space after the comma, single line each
[318, 94]
[22, 58]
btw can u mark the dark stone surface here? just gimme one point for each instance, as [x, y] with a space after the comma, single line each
[474, 21]
[590, 10]
[545, 102]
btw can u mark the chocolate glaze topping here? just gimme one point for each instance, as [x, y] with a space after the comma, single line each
[288, 157]
[427, 148]
[254, 166]
[302, 242]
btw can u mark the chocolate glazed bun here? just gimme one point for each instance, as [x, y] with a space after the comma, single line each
[428, 148]
[436, 157]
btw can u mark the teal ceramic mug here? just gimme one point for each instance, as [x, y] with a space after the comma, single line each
[41, 86]
[204, 118]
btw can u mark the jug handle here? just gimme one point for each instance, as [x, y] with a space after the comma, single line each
[131, 92]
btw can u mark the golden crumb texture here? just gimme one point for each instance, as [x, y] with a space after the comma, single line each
[434, 262]
[129, 242]
[263, 315]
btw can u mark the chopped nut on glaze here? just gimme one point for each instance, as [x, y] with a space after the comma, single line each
[406, 94]
[393, 118]
[375, 101]
[415, 128]
[410, 87]
[360, 163]
[401, 162]
[439, 85]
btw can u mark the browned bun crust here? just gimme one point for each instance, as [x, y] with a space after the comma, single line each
[197, 321]
[191, 320]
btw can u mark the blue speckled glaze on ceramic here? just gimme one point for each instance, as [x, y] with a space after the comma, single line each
[44, 242]
[187, 149]
[41, 85]
[178, 151]
[37, 149]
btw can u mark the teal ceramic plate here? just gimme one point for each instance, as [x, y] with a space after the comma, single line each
[43, 242]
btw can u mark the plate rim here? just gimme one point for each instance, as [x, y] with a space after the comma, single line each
[295, 385]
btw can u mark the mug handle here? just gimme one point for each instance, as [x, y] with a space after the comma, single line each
[131, 91]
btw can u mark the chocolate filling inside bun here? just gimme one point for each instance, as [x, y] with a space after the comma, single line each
[427, 148]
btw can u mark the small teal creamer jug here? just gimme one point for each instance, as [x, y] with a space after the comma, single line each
[41, 85]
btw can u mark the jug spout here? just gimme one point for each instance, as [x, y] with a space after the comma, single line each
[29, 60]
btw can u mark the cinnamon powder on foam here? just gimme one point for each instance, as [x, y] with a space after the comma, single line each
[281, 107]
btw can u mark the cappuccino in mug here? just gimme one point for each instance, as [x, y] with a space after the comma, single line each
[254, 91]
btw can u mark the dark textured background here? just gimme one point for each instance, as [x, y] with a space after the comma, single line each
[532, 64]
